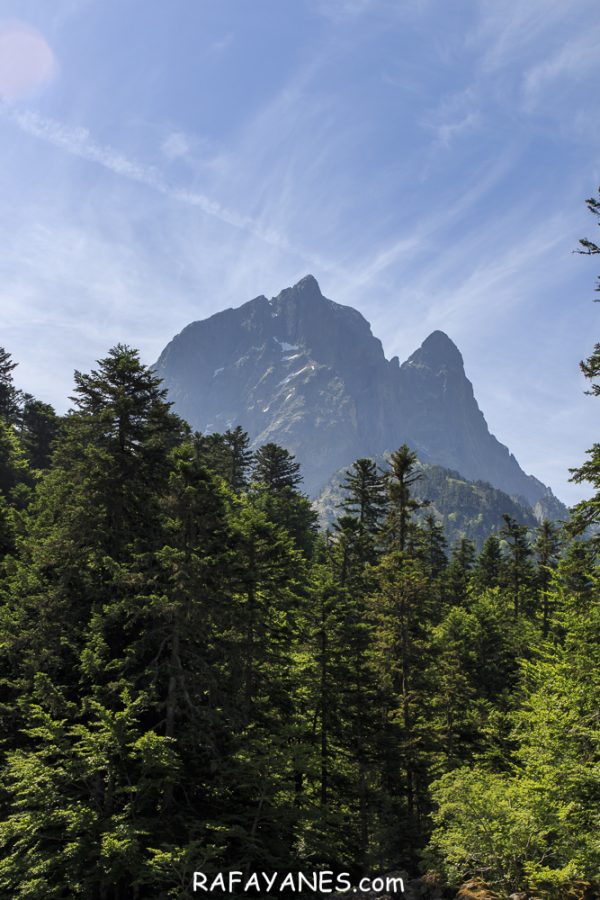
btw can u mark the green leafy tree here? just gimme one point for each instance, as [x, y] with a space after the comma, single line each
[533, 826]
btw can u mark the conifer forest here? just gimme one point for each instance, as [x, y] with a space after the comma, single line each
[194, 677]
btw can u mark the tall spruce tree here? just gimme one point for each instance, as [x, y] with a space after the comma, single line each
[488, 567]
[546, 548]
[400, 479]
[459, 570]
[9, 396]
[38, 428]
[432, 547]
[517, 563]
[276, 481]
[238, 444]
[364, 490]
[276, 468]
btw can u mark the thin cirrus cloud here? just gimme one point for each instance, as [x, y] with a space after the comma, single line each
[400, 152]
[176, 145]
[573, 61]
[79, 142]
[26, 61]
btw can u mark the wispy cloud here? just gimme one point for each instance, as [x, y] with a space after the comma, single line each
[436, 204]
[79, 142]
[573, 61]
[457, 114]
[507, 33]
[222, 43]
[176, 145]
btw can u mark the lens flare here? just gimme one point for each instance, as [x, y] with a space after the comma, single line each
[26, 60]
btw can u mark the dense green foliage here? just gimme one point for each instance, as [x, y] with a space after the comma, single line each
[192, 677]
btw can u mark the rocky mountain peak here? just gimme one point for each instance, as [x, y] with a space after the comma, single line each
[437, 351]
[307, 372]
[332, 333]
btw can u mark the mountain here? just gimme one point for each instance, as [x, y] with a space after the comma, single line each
[307, 373]
[464, 508]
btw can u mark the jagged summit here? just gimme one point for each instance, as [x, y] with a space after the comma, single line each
[308, 373]
[307, 286]
[438, 349]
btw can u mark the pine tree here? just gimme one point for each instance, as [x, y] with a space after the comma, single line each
[238, 443]
[117, 441]
[9, 396]
[400, 479]
[364, 490]
[276, 468]
[488, 567]
[275, 482]
[259, 674]
[459, 570]
[73, 639]
[546, 548]
[15, 475]
[432, 547]
[38, 430]
[400, 615]
[517, 565]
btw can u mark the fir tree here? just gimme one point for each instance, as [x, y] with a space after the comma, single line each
[459, 570]
[9, 396]
[276, 468]
[517, 565]
[432, 547]
[400, 479]
[488, 567]
[38, 430]
[364, 490]
[275, 481]
[546, 548]
[238, 443]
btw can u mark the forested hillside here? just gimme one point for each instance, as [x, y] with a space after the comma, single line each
[465, 509]
[193, 677]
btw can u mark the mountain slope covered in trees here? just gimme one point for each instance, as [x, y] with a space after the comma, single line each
[464, 509]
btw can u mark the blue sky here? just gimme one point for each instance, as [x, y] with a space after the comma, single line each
[427, 161]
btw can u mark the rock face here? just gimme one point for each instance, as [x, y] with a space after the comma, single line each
[308, 373]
